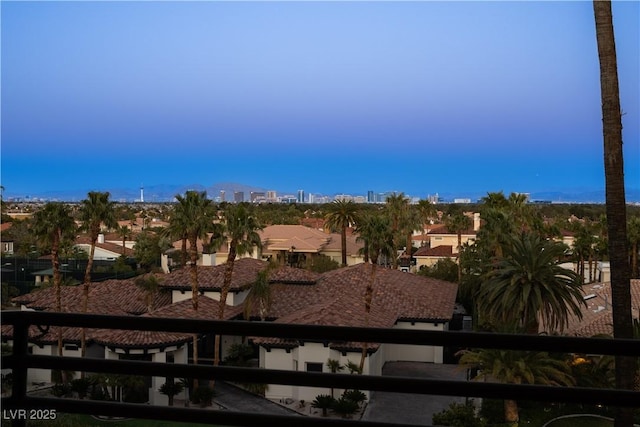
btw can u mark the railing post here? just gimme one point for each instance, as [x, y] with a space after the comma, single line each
[19, 372]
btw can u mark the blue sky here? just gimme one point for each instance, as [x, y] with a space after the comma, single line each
[420, 97]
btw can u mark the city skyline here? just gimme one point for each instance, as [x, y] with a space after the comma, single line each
[331, 97]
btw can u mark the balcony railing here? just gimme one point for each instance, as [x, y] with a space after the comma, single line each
[20, 361]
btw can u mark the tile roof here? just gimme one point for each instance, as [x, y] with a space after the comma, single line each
[211, 278]
[286, 274]
[338, 299]
[597, 317]
[208, 309]
[438, 251]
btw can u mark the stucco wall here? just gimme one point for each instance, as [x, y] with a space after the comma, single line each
[416, 353]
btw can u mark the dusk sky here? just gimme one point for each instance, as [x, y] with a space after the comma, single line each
[329, 97]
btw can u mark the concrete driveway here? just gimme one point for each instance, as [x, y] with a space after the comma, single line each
[411, 408]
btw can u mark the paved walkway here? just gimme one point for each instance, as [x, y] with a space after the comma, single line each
[233, 398]
[409, 408]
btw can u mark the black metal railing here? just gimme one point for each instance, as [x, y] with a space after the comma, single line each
[20, 361]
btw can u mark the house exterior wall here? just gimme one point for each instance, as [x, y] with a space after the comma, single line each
[99, 253]
[427, 261]
[436, 240]
[277, 358]
[415, 353]
[299, 358]
[41, 375]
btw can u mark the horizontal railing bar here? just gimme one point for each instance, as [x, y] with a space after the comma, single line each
[195, 415]
[329, 380]
[611, 346]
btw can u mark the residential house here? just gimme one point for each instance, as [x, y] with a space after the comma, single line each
[400, 301]
[287, 244]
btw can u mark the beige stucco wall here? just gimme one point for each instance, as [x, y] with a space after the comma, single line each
[436, 240]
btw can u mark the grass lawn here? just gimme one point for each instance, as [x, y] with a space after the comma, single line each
[80, 420]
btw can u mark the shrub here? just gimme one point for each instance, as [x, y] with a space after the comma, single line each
[324, 402]
[354, 395]
[202, 396]
[61, 390]
[171, 388]
[458, 415]
[345, 407]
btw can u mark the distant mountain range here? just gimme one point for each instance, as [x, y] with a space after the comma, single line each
[167, 193]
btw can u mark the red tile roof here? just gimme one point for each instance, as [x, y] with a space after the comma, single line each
[597, 317]
[438, 251]
[211, 278]
[338, 299]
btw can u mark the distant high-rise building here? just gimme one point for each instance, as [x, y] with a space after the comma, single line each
[141, 194]
[371, 197]
[272, 196]
[312, 198]
[256, 197]
[433, 199]
[238, 196]
[300, 196]
[223, 195]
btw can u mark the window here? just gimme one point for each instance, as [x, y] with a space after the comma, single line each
[314, 367]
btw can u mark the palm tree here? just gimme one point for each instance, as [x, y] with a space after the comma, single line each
[124, 232]
[341, 214]
[458, 223]
[53, 225]
[615, 195]
[240, 229]
[192, 219]
[517, 367]
[633, 234]
[397, 206]
[150, 284]
[95, 210]
[375, 230]
[194, 216]
[426, 212]
[259, 294]
[528, 286]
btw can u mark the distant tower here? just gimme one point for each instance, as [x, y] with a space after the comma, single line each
[300, 196]
[141, 194]
[223, 195]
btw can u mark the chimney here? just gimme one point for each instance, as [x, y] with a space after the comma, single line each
[476, 221]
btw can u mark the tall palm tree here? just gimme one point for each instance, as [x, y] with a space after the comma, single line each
[528, 286]
[95, 210]
[517, 367]
[459, 223]
[426, 212]
[191, 220]
[397, 207]
[341, 214]
[53, 225]
[193, 216]
[259, 295]
[615, 195]
[375, 231]
[124, 232]
[240, 230]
